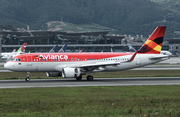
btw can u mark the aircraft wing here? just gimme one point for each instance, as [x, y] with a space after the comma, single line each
[89, 67]
[93, 66]
[96, 65]
[100, 64]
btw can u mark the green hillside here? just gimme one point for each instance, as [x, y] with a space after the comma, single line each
[126, 16]
[70, 27]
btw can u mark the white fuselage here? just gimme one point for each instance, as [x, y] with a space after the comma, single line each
[57, 66]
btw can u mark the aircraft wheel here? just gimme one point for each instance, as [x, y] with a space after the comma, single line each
[90, 78]
[27, 76]
[79, 78]
[27, 79]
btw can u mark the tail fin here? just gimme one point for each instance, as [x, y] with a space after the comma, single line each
[131, 49]
[111, 50]
[81, 51]
[54, 49]
[63, 49]
[14, 51]
[22, 48]
[154, 43]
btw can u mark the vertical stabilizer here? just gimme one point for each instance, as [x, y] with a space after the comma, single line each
[154, 43]
[54, 49]
[14, 51]
[131, 49]
[22, 48]
[63, 49]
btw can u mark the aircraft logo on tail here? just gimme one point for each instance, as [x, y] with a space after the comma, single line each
[63, 49]
[22, 48]
[154, 44]
[54, 49]
[14, 51]
[131, 49]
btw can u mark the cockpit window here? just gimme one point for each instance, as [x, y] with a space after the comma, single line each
[17, 59]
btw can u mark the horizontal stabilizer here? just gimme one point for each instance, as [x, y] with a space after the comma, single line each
[159, 57]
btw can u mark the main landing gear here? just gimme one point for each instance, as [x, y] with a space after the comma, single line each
[89, 78]
[27, 76]
[79, 78]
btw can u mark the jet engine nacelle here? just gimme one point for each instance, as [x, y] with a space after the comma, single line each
[71, 72]
[53, 74]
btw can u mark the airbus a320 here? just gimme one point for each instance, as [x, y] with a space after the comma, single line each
[74, 65]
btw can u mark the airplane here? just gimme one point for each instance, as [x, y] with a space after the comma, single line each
[131, 49]
[74, 65]
[8, 55]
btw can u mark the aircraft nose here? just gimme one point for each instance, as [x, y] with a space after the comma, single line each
[7, 65]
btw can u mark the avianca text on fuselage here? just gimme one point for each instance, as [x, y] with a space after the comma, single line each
[49, 56]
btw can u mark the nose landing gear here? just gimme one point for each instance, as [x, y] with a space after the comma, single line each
[27, 77]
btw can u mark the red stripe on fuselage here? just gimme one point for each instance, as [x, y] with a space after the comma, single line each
[38, 57]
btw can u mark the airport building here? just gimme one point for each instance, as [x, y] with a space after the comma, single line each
[43, 41]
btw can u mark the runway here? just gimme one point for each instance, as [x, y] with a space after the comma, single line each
[35, 83]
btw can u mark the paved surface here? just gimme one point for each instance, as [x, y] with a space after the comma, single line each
[84, 82]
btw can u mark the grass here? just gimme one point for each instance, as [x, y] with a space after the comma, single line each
[128, 73]
[124, 101]
[130, 101]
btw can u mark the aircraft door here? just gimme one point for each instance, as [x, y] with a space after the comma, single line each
[138, 60]
[29, 61]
